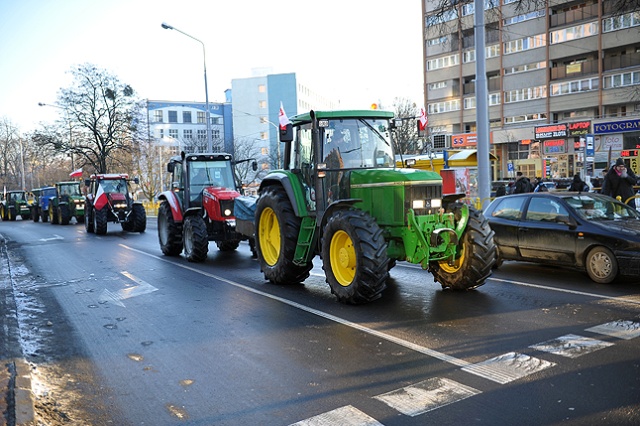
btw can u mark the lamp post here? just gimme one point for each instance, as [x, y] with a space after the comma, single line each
[206, 91]
[69, 121]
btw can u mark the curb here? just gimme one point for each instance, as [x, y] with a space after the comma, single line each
[24, 407]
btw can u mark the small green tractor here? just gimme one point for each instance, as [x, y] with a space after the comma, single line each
[67, 203]
[340, 196]
[14, 204]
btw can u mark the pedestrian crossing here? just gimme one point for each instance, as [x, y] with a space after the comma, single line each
[437, 392]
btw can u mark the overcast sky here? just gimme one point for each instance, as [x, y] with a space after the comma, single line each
[354, 51]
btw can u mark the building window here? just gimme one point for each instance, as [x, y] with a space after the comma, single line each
[265, 166]
[526, 117]
[494, 99]
[525, 94]
[526, 67]
[470, 103]
[615, 23]
[574, 33]
[202, 134]
[445, 106]
[157, 116]
[264, 151]
[436, 41]
[525, 17]
[173, 116]
[186, 116]
[444, 62]
[160, 133]
[437, 85]
[620, 80]
[262, 104]
[264, 135]
[568, 87]
[262, 88]
[216, 133]
[187, 134]
[202, 117]
[525, 43]
[173, 133]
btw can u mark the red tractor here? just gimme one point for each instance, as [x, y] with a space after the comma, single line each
[109, 200]
[200, 206]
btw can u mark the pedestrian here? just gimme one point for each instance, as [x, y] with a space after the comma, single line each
[523, 184]
[540, 186]
[619, 181]
[502, 190]
[578, 185]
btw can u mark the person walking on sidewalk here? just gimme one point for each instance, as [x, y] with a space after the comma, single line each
[619, 181]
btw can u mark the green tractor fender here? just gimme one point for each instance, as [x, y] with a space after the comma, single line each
[292, 186]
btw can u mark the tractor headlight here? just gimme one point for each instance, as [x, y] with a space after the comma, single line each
[418, 204]
[227, 212]
[120, 206]
[436, 203]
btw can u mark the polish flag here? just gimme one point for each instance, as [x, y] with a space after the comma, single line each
[282, 117]
[101, 198]
[423, 119]
[76, 173]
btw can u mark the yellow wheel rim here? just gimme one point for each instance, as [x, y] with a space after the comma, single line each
[342, 256]
[450, 269]
[269, 234]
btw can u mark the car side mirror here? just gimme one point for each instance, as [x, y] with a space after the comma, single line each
[567, 221]
[87, 182]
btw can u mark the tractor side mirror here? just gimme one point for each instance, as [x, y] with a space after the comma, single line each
[170, 167]
[254, 166]
[286, 135]
[136, 180]
[87, 182]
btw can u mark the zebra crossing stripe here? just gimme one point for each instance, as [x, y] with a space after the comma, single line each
[626, 330]
[343, 416]
[508, 367]
[571, 346]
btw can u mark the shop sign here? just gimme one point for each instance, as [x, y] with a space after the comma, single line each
[617, 126]
[467, 139]
[579, 128]
[557, 146]
[551, 131]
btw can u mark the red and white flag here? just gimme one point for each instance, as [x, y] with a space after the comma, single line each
[76, 173]
[282, 117]
[101, 198]
[423, 119]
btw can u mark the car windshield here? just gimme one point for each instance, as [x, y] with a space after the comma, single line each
[600, 208]
[357, 143]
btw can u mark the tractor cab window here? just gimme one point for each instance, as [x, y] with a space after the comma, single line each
[70, 190]
[203, 174]
[111, 186]
[302, 159]
[357, 144]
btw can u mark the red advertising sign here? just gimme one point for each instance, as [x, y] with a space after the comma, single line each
[551, 131]
[464, 140]
[579, 128]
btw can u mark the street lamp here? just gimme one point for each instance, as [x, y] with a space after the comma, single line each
[68, 120]
[206, 91]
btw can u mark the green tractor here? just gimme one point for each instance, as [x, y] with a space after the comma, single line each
[67, 203]
[341, 197]
[14, 204]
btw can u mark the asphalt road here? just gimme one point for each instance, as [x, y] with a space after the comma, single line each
[113, 332]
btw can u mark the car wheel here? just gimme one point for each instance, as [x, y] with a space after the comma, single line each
[601, 265]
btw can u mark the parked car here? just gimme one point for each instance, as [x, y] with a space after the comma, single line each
[588, 231]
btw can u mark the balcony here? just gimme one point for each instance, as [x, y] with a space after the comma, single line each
[582, 14]
[622, 61]
[493, 84]
[575, 70]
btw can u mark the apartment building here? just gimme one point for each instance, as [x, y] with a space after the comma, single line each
[563, 83]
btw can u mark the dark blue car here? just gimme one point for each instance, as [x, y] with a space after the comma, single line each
[588, 231]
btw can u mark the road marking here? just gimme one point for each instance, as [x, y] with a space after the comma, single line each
[563, 290]
[343, 416]
[626, 330]
[55, 237]
[571, 345]
[426, 396]
[401, 342]
[143, 287]
[508, 367]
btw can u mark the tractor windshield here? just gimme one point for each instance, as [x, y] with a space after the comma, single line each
[114, 185]
[72, 189]
[357, 143]
[211, 173]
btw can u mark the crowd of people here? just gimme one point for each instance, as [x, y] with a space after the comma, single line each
[618, 182]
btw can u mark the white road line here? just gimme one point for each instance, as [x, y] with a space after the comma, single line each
[563, 290]
[143, 287]
[401, 342]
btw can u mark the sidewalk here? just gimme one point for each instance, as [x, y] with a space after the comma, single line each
[16, 400]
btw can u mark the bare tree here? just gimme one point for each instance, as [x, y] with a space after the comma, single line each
[104, 115]
[407, 133]
[247, 149]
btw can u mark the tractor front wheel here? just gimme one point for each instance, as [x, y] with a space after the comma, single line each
[169, 232]
[475, 256]
[277, 230]
[100, 221]
[53, 214]
[139, 218]
[196, 242]
[354, 257]
[88, 220]
[64, 214]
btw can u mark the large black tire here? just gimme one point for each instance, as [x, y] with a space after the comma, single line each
[476, 254]
[88, 219]
[139, 218]
[11, 213]
[354, 257]
[277, 229]
[44, 215]
[602, 265]
[34, 215]
[169, 232]
[64, 214]
[196, 241]
[100, 221]
[229, 245]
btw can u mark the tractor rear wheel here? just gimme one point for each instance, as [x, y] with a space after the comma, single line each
[44, 215]
[475, 258]
[88, 220]
[196, 241]
[169, 232]
[64, 214]
[53, 214]
[100, 221]
[354, 257]
[139, 218]
[34, 215]
[12, 214]
[277, 229]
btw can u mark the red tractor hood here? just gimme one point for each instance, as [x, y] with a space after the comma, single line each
[116, 196]
[220, 193]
